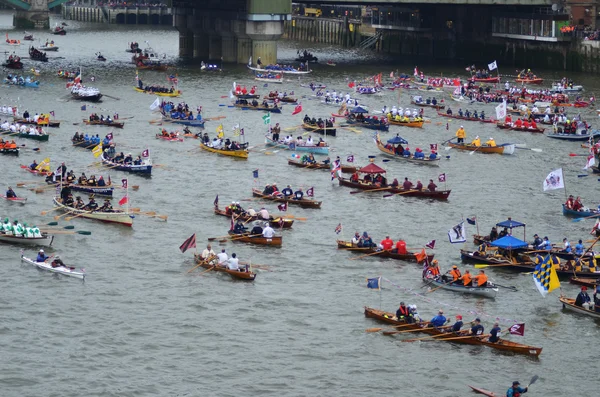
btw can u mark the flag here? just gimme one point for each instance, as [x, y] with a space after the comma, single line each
[350, 159]
[501, 111]
[442, 177]
[83, 107]
[430, 244]
[338, 228]
[517, 329]
[554, 180]
[416, 71]
[391, 74]
[124, 181]
[267, 118]
[242, 131]
[44, 164]
[231, 227]
[433, 146]
[492, 65]
[596, 226]
[189, 243]
[123, 201]
[216, 202]
[545, 277]
[109, 136]
[145, 153]
[472, 220]
[77, 79]
[337, 169]
[374, 283]
[590, 162]
[297, 109]
[255, 173]
[52, 113]
[421, 256]
[457, 234]
[282, 207]
[310, 192]
[97, 151]
[219, 131]
[155, 105]
[351, 84]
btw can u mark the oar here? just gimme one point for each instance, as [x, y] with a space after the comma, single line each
[68, 227]
[429, 336]
[52, 224]
[195, 267]
[53, 209]
[534, 379]
[511, 287]
[372, 190]
[532, 149]
[57, 217]
[422, 329]
[372, 253]
[84, 232]
[244, 236]
[465, 337]
[394, 194]
[484, 265]
[394, 326]
[587, 217]
[441, 286]
[208, 270]
[78, 215]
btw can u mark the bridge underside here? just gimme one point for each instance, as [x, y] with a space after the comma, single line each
[32, 14]
[230, 30]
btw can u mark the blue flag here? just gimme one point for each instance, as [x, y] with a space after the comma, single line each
[83, 107]
[472, 221]
[255, 173]
[374, 283]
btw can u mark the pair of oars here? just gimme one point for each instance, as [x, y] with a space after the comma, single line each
[151, 214]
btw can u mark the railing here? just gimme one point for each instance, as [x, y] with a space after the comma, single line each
[370, 41]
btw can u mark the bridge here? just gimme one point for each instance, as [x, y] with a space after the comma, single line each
[33, 13]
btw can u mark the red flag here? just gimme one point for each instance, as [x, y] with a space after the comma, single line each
[442, 177]
[189, 243]
[282, 207]
[123, 201]
[430, 244]
[351, 84]
[433, 146]
[310, 192]
[350, 158]
[421, 256]
[517, 329]
[145, 153]
[297, 109]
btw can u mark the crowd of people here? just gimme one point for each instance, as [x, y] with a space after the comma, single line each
[95, 118]
[22, 128]
[181, 111]
[155, 88]
[19, 230]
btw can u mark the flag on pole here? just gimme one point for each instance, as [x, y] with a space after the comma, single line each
[545, 277]
[189, 243]
[216, 202]
[590, 162]
[267, 118]
[501, 111]
[124, 182]
[472, 220]
[350, 159]
[336, 171]
[442, 177]
[52, 113]
[282, 207]
[123, 201]
[220, 133]
[145, 153]
[255, 173]
[338, 228]
[554, 180]
[492, 65]
[517, 329]
[310, 192]
[457, 234]
[44, 164]
[433, 146]
[83, 107]
[374, 283]
[431, 244]
[97, 151]
[109, 136]
[155, 105]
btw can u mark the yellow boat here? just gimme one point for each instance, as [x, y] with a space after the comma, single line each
[173, 94]
[413, 124]
[240, 154]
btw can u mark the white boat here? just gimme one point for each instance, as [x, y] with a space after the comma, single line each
[488, 292]
[462, 99]
[557, 88]
[569, 304]
[249, 66]
[45, 241]
[49, 47]
[66, 271]
[120, 217]
[298, 148]
[269, 80]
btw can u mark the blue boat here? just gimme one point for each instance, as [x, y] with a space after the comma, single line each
[579, 214]
[190, 123]
[308, 149]
[574, 137]
[145, 169]
[23, 83]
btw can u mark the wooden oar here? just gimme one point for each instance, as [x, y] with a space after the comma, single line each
[587, 217]
[83, 232]
[372, 253]
[57, 217]
[78, 215]
[394, 194]
[195, 267]
[464, 337]
[394, 326]
[423, 329]
[429, 336]
[243, 236]
[370, 190]
[21, 184]
[485, 265]
[441, 286]
[471, 153]
[53, 209]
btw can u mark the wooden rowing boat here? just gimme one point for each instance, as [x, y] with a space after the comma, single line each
[10, 152]
[44, 241]
[505, 148]
[571, 137]
[169, 138]
[569, 304]
[428, 105]
[65, 271]
[42, 138]
[411, 124]
[242, 274]
[275, 222]
[96, 190]
[436, 194]
[536, 80]
[240, 154]
[484, 392]
[455, 116]
[318, 130]
[369, 125]
[274, 241]
[487, 292]
[347, 169]
[118, 217]
[505, 126]
[114, 124]
[425, 161]
[20, 200]
[271, 109]
[186, 122]
[588, 282]
[285, 99]
[409, 256]
[173, 94]
[304, 202]
[485, 80]
[298, 148]
[144, 169]
[52, 124]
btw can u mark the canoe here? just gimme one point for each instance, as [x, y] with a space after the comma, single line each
[371, 126]
[487, 292]
[35, 172]
[65, 271]
[115, 124]
[348, 169]
[588, 282]
[285, 99]
[278, 71]
[428, 105]
[274, 241]
[502, 344]
[484, 392]
[569, 304]
[189, 123]
[145, 169]
[44, 241]
[456, 116]
[269, 80]
[571, 137]
[309, 149]
[437, 195]
[173, 94]
[53, 124]
[259, 107]
[411, 124]
[169, 138]
[275, 222]
[240, 154]
[530, 81]
[317, 130]
[246, 96]
[10, 152]
[470, 257]
[514, 128]
[118, 217]
[20, 200]
[237, 274]
[41, 138]
[505, 148]
[304, 203]
[579, 214]
[425, 161]
[410, 256]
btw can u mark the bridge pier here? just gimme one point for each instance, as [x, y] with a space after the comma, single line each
[33, 19]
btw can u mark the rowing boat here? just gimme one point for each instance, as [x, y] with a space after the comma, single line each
[455, 116]
[530, 81]
[319, 130]
[409, 256]
[271, 109]
[376, 125]
[240, 154]
[96, 190]
[426, 161]
[487, 292]
[572, 137]
[285, 99]
[52, 124]
[144, 169]
[275, 222]
[569, 304]
[436, 194]
[486, 79]
[104, 123]
[471, 257]
[173, 94]
[505, 126]
[25, 135]
[303, 203]
[348, 169]
[428, 105]
[19, 200]
[65, 271]
[45, 241]
[35, 172]
[588, 282]
[278, 70]
[298, 148]
[274, 241]
[411, 124]
[241, 274]
[484, 392]
[117, 216]
[186, 122]
[579, 214]
[9, 152]
[505, 148]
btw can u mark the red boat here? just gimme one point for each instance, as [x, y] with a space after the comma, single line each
[486, 80]
[409, 256]
[505, 126]
[35, 172]
[15, 199]
[535, 80]
[169, 138]
[437, 195]
[455, 116]
[59, 30]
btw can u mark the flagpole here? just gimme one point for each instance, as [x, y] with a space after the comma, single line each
[565, 184]
[127, 195]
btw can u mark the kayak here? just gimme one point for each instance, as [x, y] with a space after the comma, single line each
[15, 199]
[66, 271]
[484, 392]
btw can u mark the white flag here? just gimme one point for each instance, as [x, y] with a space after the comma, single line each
[458, 233]
[493, 65]
[554, 180]
[155, 105]
[457, 91]
[590, 162]
[501, 111]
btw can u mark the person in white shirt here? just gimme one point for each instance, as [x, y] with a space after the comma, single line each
[32, 131]
[268, 231]
[415, 113]
[299, 141]
[251, 212]
[535, 109]
[394, 110]
[264, 214]
[546, 118]
[506, 85]
[407, 112]
[207, 252]
[23, 128]
[36, 117]
[287, 140]
[222, 257]
[5, 125]
[347, 97]
[309, 142]
[233, 262]
[548, 110]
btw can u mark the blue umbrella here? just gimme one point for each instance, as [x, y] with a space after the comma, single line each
[398, 140]
[359, 109]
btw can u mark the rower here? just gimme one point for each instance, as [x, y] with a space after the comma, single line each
[431, 187]
[233, 262]
[257, 229]
[106, 207]
[583, 299]
[438, 320]
[366, 241]
[491, 142]
[579, 248]
[567, 245]
[455, 273]
[449, 112]
[387, 244]
[516, 390]
[461, 134]
[458, 324]
[403, 314]
[298, 194]
[480, 280]
[33, 165]
[222, 257]
[10, 193]
[476, 142]
[433, 271]
[466, 278]
[57, 262]
[91, 206]
[537, 241]
[239, 227]
[268, 231]
[477, 328]
[41, 256]
[208, 252]
[494, 333]
[482, 249]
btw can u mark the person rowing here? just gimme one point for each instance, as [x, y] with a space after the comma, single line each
[477, 328]
[57, 262]
[41, 257]
[516, 390]
[10, 193]
[403, 314]
[439, 320]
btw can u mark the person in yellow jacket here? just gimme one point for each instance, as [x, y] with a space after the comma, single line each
[491, 142]
[461, 134]
[476, 142]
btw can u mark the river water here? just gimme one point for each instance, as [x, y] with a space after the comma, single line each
[140, 325]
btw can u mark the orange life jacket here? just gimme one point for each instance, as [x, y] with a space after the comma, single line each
[435, 271]
[455, 273]
[466, 278]
[481, 279]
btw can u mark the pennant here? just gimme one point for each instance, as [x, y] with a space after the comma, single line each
[52, 113]
[282, 207]
[155, 105]
[350, 159]
[146, 153]
[310, 192]
[472, 220]
[123, 201]
[517, 329]
[421, 256]
[267, 118]
[216, 202]
[124, 181]
[83, 107]
[492, 66]
[189, 243]
[590, 162]
[297, 109]
[501, 111]
[338, 228]
[442, 177]
[374, 283]
[97, 151]
[255, 173]
[457, 234]
[44, 164]
[109, 136]
[554, 180]
[545, 277]
[433, 146]
[430, 244]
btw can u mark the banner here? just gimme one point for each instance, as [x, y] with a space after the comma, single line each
[554, 180]
[458, 234]
[501, 111]
[492, 66]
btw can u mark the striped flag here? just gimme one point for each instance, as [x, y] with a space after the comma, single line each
[189, 243]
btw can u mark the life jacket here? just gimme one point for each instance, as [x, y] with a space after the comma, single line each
[404, 310]
[466, 278]
[434, 271]
[455, 273]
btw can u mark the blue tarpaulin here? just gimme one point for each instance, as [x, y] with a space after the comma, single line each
[359, 109]
[509, 242]
[398, 140]
[510, 224]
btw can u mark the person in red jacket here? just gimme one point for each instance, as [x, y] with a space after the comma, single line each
[401, 247]
[387, 243]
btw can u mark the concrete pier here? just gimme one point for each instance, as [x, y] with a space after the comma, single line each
[342, 32]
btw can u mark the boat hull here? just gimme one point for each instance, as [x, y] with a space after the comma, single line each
[120, 218]
[304, 203]
[579, 214]
[570, 137]
[44, 241]
[250, 107]
[487, 292]
[569, 304]
[317, 130]
[40, 138]
[275, 241]
[500, 149]
[308, 149]
[455, 116]
[189, 123]
[278, 71]
[144, 170]
[173, 94]
[425, 161]
[104, 123]
[275, 222]
[410, 256]
[437, 195]
[236, 274]
[239, 154]
[65, 271]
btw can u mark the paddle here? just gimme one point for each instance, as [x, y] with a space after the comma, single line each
[484, 265]
[195, 267]
[430, 336]
[52, 224]
[208, 270]
[587, 217]
[394, 326]
[441, 286]
[370, 190]
[372, 253]
[394, 194]
[534, 379]
[577, 155]
[84, 232]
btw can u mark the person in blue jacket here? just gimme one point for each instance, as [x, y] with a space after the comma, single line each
[438, 320]
[41, 256]
[515, 390]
